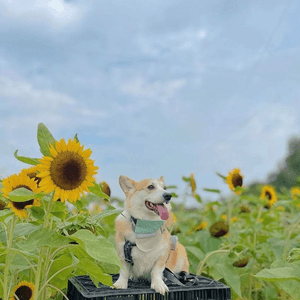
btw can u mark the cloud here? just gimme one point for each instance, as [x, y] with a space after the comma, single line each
[54, 13]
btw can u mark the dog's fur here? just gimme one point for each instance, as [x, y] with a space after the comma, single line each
[149, 265]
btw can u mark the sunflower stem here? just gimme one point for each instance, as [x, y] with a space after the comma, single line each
[287, 242]
[8, 259]
[201, 264]
[42, 252]
[47, 282]
[54, 287]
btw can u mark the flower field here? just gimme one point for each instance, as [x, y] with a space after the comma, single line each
[249, 241]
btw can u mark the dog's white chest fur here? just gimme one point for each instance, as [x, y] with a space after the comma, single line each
[144, 260]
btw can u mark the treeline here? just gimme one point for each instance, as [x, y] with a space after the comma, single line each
[287, 173]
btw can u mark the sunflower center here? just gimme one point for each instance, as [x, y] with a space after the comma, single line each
[237, 180]
[68, 170]
[268, 195]
[23, 292]
[21, 205]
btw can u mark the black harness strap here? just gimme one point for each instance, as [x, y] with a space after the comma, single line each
[127, 251]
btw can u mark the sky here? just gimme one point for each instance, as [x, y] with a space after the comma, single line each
[153, 87]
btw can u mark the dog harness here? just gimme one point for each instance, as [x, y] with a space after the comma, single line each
[148, 234]
[143, 232]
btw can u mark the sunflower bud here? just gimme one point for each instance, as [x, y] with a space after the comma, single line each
[219, 229]
[245, 209]
[105, 188]
[241, 263]
[2, 205]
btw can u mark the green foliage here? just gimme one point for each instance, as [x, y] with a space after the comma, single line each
[45, 138]
[96, 189]
[27, 160]
[22, 195]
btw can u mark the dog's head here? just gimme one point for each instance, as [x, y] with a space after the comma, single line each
[146, 199]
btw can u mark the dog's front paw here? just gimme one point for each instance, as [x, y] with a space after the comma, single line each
[121, 284]
[159, 286]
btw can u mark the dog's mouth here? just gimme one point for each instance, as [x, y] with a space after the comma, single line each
[159, 208]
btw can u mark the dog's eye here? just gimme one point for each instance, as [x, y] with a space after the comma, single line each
[165, 187]
[151, 187]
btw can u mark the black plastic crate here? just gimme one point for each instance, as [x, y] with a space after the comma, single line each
[82, 287]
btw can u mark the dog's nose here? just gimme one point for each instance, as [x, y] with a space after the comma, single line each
[167, 196]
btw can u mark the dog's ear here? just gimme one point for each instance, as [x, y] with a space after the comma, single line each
[161, 181]
[126, 184]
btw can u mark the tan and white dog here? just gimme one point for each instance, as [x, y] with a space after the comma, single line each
[147, 200]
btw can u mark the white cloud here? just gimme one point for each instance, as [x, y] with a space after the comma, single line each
[56, 13]
[186, 39]
[160, 90]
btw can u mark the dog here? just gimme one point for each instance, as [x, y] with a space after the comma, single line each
[147, 201]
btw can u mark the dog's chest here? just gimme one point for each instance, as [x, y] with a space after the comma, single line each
[144, 261]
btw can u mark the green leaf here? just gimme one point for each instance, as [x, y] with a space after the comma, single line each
[239, 188]
[90, 267]
[96, 189]
[43, 237]
[45, 138]
[212, 190]
[58, 206]
[5, 213]
[278, 274]
[196, 252]
[187, 179]
[23, 229]
[61, 279]
[231, 277]
[76, 138]
[197, 197]
[222, 176]
[171, 187]
[107, 213]
[292, 287]
[38, 212]
[97, 247]
[22, 195]
[206, 242]
[19, 264]
[26, 160]
[174, 195]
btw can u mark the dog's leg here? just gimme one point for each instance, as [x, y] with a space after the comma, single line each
[157, 282]
[122, 281]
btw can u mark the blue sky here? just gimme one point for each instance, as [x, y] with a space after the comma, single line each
[153, 87]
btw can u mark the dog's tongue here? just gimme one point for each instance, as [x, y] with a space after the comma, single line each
[163, 212]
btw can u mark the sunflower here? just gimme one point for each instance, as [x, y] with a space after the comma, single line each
[174, 218]
[241, 263]
[24, 291]
[235, 179]
[2, 205]
[245, 209]
[234, 219]
[268, 193]
[17, 181]
[295, 192]
[105, 188]
[219, 229]
[224, 217]
[201, 226]
[193, 183]
[32, 174]
[68, 171]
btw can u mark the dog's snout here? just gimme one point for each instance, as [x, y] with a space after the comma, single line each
[167, 196]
